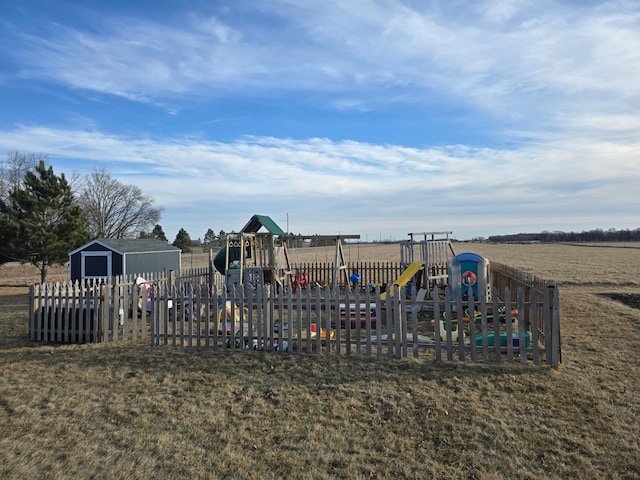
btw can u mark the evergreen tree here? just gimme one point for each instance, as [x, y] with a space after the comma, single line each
[209, 237]
[183, 241]
[157, 232]
[40, 223]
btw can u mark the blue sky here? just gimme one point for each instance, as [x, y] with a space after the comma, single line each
[370, 117]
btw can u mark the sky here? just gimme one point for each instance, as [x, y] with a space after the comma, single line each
[363, 117]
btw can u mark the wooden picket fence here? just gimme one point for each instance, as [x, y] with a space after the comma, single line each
[324, 273]
[193, 315]
[99, 310]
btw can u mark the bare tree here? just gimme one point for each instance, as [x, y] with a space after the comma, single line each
[116, 210]
[13, 169]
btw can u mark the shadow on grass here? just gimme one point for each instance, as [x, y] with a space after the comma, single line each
[300, 368]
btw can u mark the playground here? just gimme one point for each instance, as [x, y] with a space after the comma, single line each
[434, 302]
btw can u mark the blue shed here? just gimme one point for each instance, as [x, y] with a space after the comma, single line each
[104, 258]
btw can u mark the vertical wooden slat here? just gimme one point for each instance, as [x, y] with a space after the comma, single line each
[188, 307]
[183, 312]
[117, 293]
[107, 321]
[290, 310]
[271, 318]
[358, 318]
[308, 320]
[522, 340]
[367, 301]
[44, 311]
[124, 305]
[33, 307]
[484, 328]
[472, 325]
[396, 332]
[447, 323]
[459, 324]
[219, 307]
[154, 329]
[173, 313]
[347, 321]
[335, 299]
[83, 312]
[95, 324]
[77, 311]
[58, 328]
[379, 321]
[533, 315]
[279, 323]
[207, 314]
[389, 319]
[496, 327]
[327, 316]
[436, 323]
[508, 324]
[68, 307]
[547, 314]
[141, 299]
[555, 329]
[402, 301]
[130, 308]
[318, 316]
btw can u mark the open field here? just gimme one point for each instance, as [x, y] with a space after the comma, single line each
[132, 411]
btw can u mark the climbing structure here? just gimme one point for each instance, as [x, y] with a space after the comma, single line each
[435, 251]
[256, 255]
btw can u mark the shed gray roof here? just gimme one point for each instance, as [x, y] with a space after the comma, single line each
[131, 245]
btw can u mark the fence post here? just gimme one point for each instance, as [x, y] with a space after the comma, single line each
[436, 323]
[522, 321]
[508, 325]
[496, 326]
[471, 312]
[547, 312]
[32, 309]
[104, 310]
[556, 354]
[397, 322]
[116, 310]
[460, 324]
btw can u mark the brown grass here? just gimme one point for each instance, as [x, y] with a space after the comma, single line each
[132, 411]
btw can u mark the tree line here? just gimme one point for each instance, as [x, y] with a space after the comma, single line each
[595, 235]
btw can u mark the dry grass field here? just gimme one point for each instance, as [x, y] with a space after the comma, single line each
[133, 411]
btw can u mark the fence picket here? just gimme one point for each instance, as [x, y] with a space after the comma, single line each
[522, 340]
[436, 323]
[534, 327]
[67, 316]
[471, 313]
[496, 326]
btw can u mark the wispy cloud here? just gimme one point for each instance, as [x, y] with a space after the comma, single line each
[505, 57]
[333, 179]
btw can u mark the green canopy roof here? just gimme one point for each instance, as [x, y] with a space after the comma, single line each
[259, 221]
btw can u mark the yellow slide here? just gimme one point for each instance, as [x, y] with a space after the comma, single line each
[405, 278]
